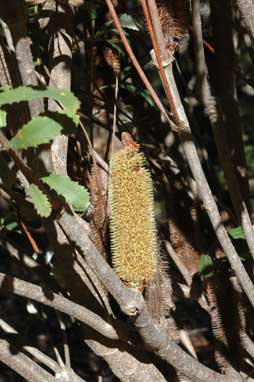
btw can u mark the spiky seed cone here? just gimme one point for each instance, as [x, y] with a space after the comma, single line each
[158, 294]
[113, 60]
[132, 221]
[174, 17]
[99, 219]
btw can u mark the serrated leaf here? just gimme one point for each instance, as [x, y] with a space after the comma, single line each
[40, 201]
[25, 93]
[237, 233]
[75, 194]
[3, 115]
[38, 131]
[205, 265]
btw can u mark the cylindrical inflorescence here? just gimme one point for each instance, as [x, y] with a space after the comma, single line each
[132, 221]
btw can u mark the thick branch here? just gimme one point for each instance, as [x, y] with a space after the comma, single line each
[60, 51]
[168, 350]
[125, 365]
[205, 193]
[206, 196]
[131, 302]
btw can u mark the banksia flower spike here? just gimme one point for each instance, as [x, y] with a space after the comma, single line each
[132, 221]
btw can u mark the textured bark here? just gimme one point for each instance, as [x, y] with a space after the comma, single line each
[23, 365]
[246, 8]
[13, 14]
[227, 322]
[60, 52]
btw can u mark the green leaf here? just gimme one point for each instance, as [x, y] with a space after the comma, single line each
[237, 233]
[116, 46]
[75, 195]
[9, 221]
[40, 201]
[205, 265]
[3, 115]
[93, 14]
[22, 93]
[146, 95]
[38, 131]
[128, 22]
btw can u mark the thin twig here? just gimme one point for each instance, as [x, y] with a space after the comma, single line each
[136, 63]
[114, 116]
[8, 36]
[30, 237]
[160, 52]
[180, 266]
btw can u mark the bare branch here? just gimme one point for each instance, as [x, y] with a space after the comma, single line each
[14, 23]
[40, 357]
[34, 292]
[37, 354]
[206, 196]
[220, 138]
[60, 50]
[161, 53]
[129, 300]
[132, 303]
[125, 365]
[184, 271]
[246, 8]
[23, 365]
[123, 362]
[225, 121]
[168, 350]
[204, 190]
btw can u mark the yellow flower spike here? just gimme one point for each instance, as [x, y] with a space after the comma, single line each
[132, 221]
